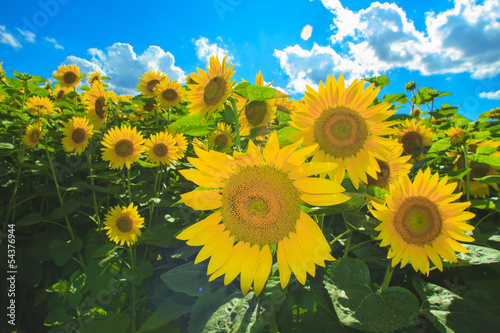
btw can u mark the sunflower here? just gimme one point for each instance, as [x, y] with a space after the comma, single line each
[390, 170]
[284, 105]
[2, 72]
[76, 135]
[190, 78]
[68, 76]
[220, 138]
[96, 103]
[32, 136]
[414, 137]
[257, 197]
[256, 113]
[59, 92]
[39, 105]
[210, 91]
[168, 93]
[180, 142]
[456, 134]
[420, 222]
[123, 146]
[161, 148]
[149, 81]
[94, 77]
[123, 224]
[348, 132]
[494, 113]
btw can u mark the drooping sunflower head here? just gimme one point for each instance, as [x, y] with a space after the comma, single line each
[211, 89]
[94, 77]
[390, 170]
[33, 135]
[456, 134]
[76, 135]
[161, 148]
[96, 104]
[39, 106]
[122, 146]
[348, 131]
[149, 81]
[414, 136]
[257, 197]
[68, 76]
[123, 224]
[221, 139]
[420, 222]
[494, 114]
[169, 93]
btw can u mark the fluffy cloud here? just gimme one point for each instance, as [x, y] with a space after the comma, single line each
[381, 37]
[123, 66]
[53, 41]
[205, 49]
[7, 38]
[490, 95]
[27, 35]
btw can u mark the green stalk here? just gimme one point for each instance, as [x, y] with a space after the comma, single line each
[236, 125]
[467, 177]
[129, 188]
[132, 305]
[348, 241]
[91, 175]
[387, 277]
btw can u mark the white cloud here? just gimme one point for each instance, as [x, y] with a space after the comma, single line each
[124, 67]
[490, 95]
[53, 41]
[8, 39]
[205, 49]
[379, 38]
[27, 35]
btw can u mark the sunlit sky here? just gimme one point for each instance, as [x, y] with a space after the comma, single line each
[449, 45]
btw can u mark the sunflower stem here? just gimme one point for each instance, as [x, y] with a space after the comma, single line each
[129, 188]
[132, 305]
[91, 176]
[467, 176]
[348, 240]
[387, 277]
[79, 316]
[236, 125]
[273, 327]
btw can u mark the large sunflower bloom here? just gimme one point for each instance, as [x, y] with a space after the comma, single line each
[419, 222]
[39, 105]
[33, 135]
[161, 148]
[123, 146]
[210, 91]
[149, 81]
[348, 132]
[414, 136]
[221, 138]
[257, 198]
[96, 103]
[168, 93]
[68, 76]
[123, 224]
[76, 135]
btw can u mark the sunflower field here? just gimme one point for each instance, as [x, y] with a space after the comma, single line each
[218, 206]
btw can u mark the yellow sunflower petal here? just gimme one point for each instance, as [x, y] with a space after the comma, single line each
[263, 269]
[202, 200]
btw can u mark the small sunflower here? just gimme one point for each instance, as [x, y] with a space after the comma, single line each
[494, 113]
[180, 142]
[220, 139]
[168, 93]
[257, 199]
[456, 134]
[190, 78]
[123, 146]
[414, 136]
[124, 224]
[94, 78]
[210, 91]
[33, 135]
[96, 104]
[284, 105]
[347, 130]
[76, 135]
[419, 222]
[58, 93]
[68, 76]
[149, 81]
[390, 170]
[2, 72]
[39, 106]
[161, 148]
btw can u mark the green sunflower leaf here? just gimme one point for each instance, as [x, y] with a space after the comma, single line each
[485, 150]
[61, 251]
[396, 98]
[192, 125]
[440, 146]
[379, 81]
[241, 89]
[477, 255]
[173, 307]
[260, 93]
[30, 220]
[487, 159]
[494, 179]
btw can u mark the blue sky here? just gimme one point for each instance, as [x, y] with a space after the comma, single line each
[450, 45]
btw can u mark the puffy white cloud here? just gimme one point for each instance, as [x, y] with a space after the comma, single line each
[124, 67]
[205, 49]
[490, 95]
[381, 37]
[7, 38]
[53, 41]
[27, 35]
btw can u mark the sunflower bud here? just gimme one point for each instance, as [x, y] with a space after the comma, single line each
[410, 86]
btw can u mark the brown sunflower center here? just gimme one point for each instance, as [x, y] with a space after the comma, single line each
[99, 104]
[282, 108]
[411, 141]
[148, 107]
[35, 135]
[478, 169]
[151, 85]
[169, 95]
[94, 79]
[260, 205]
[383, 176]
[214, 90]
[255, 112]
[341, 132]
[220, 140]
[60, 94]
[69, 77]
[160, 149]
[418, 221]
[124, 223]
[124, 148]
[78, 135]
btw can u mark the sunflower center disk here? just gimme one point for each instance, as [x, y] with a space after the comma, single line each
[382, 177]
[149, 107]
[78, 135]
[255, 112]
[411, 141]
[260, 205]
[160, 149]
[99, 107]
[169, 95]
[34, 136]
[124, 148]
[151, 85]
[282, 109]
[418, 221]
[69, 77]
[124, 224]
[478, 169]
[220, 140]
[341, 132]
[214, 90]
